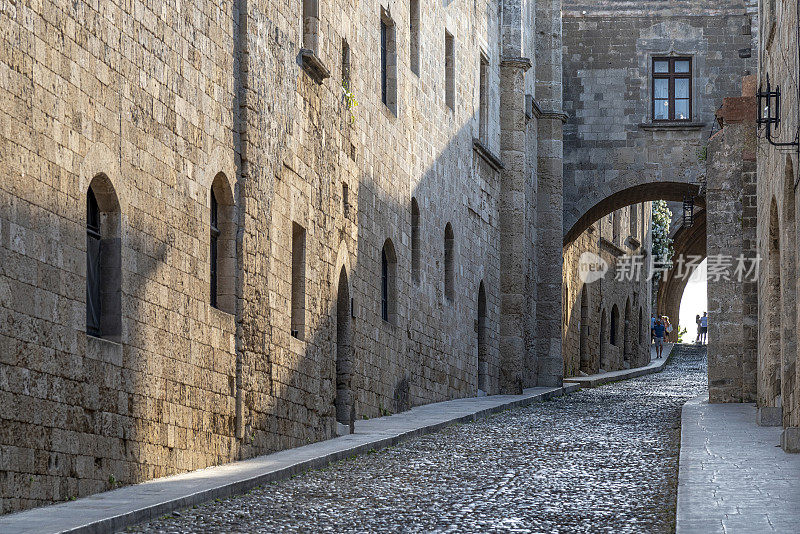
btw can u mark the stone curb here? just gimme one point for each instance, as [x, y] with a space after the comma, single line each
[592, 381]
[116, 509]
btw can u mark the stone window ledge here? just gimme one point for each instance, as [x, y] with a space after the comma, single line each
[672, 125]
[634, 243]
[313, 65]
[487, 155]
[611, 247]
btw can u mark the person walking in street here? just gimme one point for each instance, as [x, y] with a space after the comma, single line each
[659, 330]
[697, 322]
[703, 327]
[668, 328]
[652, 325]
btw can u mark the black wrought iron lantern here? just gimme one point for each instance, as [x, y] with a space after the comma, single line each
[688, 211]
[769, 111]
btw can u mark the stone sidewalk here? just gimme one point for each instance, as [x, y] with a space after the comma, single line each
[113, 510]
[655, 366]
[734, 477]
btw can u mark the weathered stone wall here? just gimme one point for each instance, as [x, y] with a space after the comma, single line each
[730, 213]
[612, 144]
[159, 102]
[778, 394]
[583, 316]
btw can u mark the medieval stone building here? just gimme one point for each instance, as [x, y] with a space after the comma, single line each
[642, 82]
[228, 228]
[774, 379]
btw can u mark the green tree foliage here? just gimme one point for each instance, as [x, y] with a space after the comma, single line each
[662, 243]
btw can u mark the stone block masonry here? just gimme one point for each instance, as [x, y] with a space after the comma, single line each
[155, 107]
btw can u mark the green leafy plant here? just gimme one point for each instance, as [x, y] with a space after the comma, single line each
[349, 101]
[680, 335]
[702, 153]
[662, 243]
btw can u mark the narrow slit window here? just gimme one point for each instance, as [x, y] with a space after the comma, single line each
[384, 286]
[214, 252]
[298, 281]
[345, 66]
[388, 282]
[449, 263]
[449, 71]
[93, 268]
[483, 101]
[415, 241]
[311, 25]
[415, 36]
[388, 61]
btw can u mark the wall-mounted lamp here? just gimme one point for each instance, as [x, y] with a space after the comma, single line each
[769, 111]
[688, 211]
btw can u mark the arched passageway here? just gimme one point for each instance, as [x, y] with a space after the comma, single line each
[582, 212]
[688, 242]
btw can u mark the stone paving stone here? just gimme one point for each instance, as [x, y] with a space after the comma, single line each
[600, 460]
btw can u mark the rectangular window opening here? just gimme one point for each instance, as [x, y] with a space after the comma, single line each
[345, 65]
[672, 89]
[415, 36]
[449, 71]
[388, 63]
[483, 102]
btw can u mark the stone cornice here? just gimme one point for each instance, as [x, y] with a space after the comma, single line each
[313, 65]
[537, 112]
[523, 63]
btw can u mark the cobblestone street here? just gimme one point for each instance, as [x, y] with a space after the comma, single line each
[600, 460]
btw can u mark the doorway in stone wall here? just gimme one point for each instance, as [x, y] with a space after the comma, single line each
[584, 332]
[483, 363]
[627, 342]
[603, 340]
[345, 401]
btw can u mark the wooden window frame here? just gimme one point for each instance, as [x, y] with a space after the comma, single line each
[670, 75]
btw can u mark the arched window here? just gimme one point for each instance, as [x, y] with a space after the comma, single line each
[388, 282]
[222, 246]
[214, 247]
[449, 260]
[415, 253]
[614, 325]
[103, 261]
